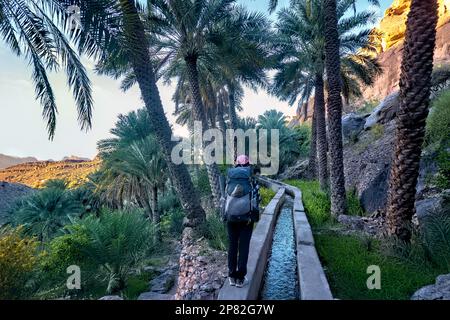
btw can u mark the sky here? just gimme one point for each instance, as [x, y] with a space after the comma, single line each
[23, 132]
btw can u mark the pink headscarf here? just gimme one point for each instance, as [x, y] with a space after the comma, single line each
[242, 160]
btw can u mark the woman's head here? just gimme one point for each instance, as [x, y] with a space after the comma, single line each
[242, 161]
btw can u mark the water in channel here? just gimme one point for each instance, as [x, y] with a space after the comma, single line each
[280, 279]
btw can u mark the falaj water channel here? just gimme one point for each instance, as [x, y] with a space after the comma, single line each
[280, 278]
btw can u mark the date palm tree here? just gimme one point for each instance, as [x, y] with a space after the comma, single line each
[208, 34]
[301, 69]
[112, 29]
[415, 84]
[27, 27]
[334, 104]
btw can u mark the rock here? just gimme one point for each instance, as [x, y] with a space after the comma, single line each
[355, 223]
[164, 281]
[154, 296]
[297, 171]
[111, 298]
[439, 291]
[384, 112]
[427, 206]
[367, 166]
[9, 194]
[374, 195]
[352, 125]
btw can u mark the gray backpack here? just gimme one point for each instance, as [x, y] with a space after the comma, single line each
[239, 196]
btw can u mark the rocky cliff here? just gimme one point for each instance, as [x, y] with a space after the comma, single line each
[392, 28]
[35, 174]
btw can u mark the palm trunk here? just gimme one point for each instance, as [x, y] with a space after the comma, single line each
[156, 215]
[199, 115]
[313, 148]
[145, 76]
[337, 179]
[415, 81]
[232, 107]
[319, 109]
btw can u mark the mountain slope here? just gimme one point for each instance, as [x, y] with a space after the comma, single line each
[35, 174]
[8, 161]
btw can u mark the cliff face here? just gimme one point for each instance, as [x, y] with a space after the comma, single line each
[393, 27]
[393, 24]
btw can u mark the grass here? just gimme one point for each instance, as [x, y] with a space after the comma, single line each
[346, 259]
[316, 202]
[137, 284]
[266, 196]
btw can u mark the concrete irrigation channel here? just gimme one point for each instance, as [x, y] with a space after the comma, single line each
[282, 242]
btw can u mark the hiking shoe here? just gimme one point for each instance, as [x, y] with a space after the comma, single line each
[241, 283]
[232, 281]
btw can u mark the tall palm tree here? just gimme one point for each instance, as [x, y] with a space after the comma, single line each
[301, 63]
[116, 29]
[28, 29]
[191, 34]
[334, 105]
[415, 83]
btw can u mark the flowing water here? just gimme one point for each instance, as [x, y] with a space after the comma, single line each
[280, 279]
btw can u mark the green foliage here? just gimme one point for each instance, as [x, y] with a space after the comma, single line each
[442, 178]
[317, 203]
[172, 222]
[216, 233]
[266, 196]
[438, 122]
[137, 284]
[304, 133]
[168, 201]
[18, 258]
[436, 238]
[377, 131]
[45, 212]
[346, 259]
[291, 140]
[353, 205]
[56, 184]
[201, 181]
[117, 242]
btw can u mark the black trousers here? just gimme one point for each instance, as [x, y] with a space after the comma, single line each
[239, 234]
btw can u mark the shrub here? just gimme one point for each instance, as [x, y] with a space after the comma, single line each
[62, 252]
[117, 242]
[353, 204]
[18, 258]
[266, 196]
[438, 122]
[317, 203]
[168, 201]
[304, 137]
[377, 131]
[436, 238]
[216, 232]
[172, 222]
[44, 213]
[60, 184]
